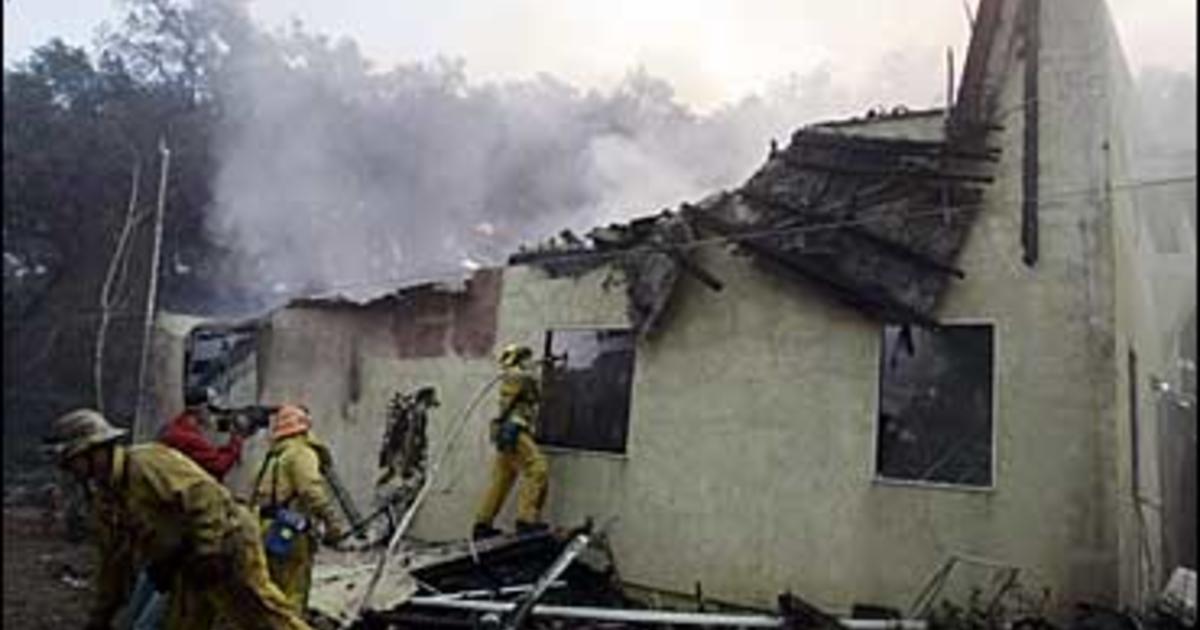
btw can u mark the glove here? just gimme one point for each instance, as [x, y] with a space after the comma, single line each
[506, 437]
[211, 569]
[333, 535]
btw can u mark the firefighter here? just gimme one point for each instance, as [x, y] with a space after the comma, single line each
[291, 496]
[183, 524]
[185, 433]
[516, 450]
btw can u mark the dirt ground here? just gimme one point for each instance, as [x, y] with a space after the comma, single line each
[47, 580]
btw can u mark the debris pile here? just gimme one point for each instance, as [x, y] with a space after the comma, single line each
[547, 579]
[1178, 599]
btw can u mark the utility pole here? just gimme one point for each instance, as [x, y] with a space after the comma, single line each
[152, 294]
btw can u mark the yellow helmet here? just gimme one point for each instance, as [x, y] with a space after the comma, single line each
[513, 354]
[80, 430]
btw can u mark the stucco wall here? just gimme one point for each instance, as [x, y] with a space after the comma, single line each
[752, 428]
[753, 422]
[314, 356]
[165, 372]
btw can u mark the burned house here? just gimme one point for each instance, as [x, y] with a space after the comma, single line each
[909, 339]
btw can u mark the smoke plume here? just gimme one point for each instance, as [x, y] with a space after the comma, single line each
[335, 175]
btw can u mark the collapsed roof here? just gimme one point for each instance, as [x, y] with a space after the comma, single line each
[875, 222]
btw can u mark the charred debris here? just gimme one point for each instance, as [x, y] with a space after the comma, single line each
[565, 580]
[874, 222]
[570, 579]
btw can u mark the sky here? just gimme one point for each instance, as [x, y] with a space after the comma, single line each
[712, 51]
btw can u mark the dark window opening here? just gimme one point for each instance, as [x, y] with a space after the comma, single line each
[222, 359]
[935, 405]
[586, 390]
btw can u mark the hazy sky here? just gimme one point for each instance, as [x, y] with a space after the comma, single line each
[712, 51]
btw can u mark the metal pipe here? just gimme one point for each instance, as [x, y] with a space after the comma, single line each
[564, 559]
[483, 592]
[659, 616]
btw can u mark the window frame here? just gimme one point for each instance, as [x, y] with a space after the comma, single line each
[224, 330]
[558, 449]
[878, 479]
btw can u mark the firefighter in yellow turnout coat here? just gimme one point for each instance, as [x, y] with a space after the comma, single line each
[178, 520]
[516, 450]
[291, 496]
[118, 559]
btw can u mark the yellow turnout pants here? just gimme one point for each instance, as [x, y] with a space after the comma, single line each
[293, 573]
[527, 460]
[247, 598]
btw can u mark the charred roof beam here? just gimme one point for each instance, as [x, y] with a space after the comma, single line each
[844, 169]
[929, 148]
[892, 247]
[880, 306]
[886, 192]
[700, 273]
[903, 251]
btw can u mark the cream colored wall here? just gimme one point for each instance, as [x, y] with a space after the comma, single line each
[165, 372]
[752, 427]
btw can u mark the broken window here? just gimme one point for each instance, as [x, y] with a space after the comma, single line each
[585, 396]
[935, 405]
[224, 359]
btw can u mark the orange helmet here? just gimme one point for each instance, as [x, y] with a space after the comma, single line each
[290, 420]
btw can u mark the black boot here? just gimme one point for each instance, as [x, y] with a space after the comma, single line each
[484, 530]
[524, 528]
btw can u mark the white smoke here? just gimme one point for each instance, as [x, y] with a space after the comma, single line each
[1163, 171]
[334, 174]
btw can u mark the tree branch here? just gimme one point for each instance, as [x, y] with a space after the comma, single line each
[107, 290]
